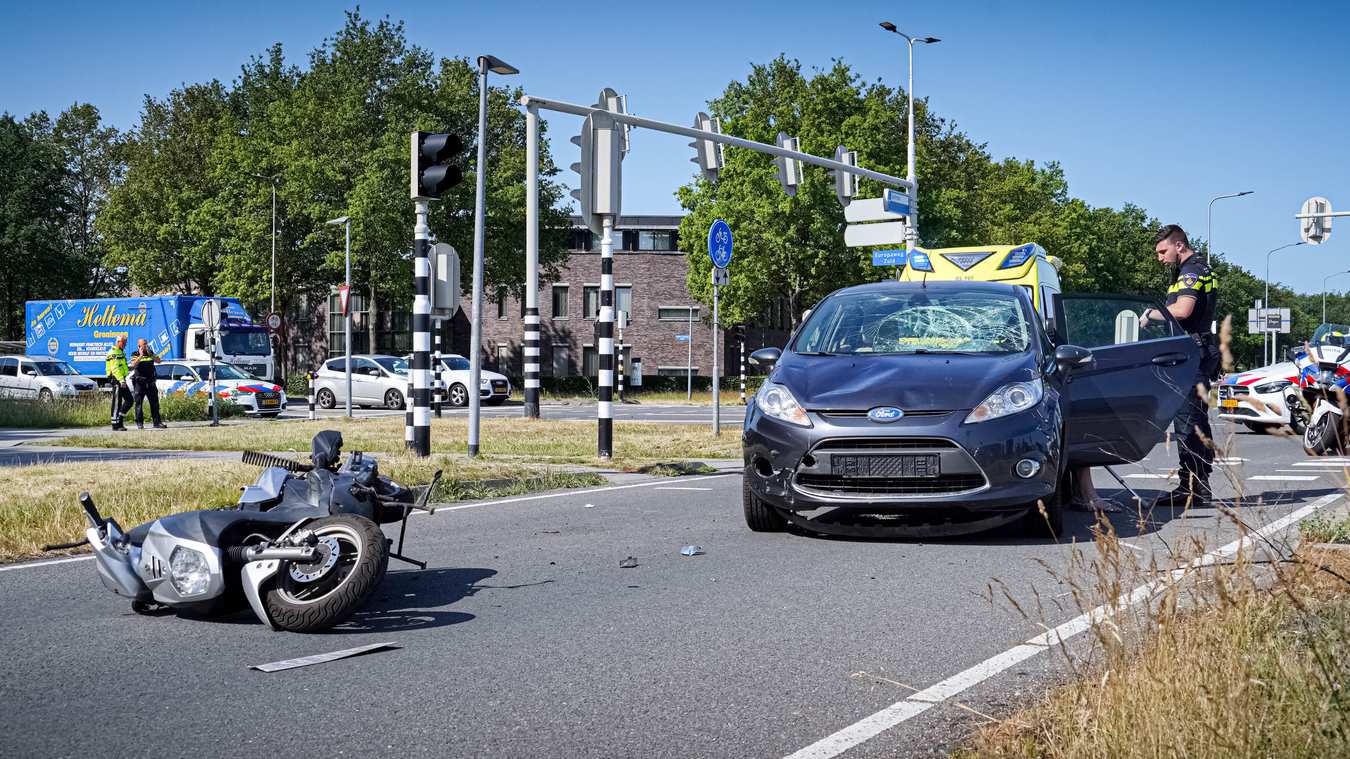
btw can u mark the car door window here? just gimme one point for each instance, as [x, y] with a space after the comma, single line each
[336, 365]
[163, 371]
[1123, 404]
[183, 373]
[9, 367]
[365, 367]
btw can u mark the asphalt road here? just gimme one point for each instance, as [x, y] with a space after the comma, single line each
[524, 637]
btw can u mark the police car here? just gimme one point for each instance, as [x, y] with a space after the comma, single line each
[257, 397]
[1263, 398]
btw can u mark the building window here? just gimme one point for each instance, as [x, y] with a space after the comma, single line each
[337, 324]
[590, 300]
[504, 358]
[560, 301]
[656, 240]
[675, 371]
[501, 306]
[590, 361]
[562, 360]
[582, 239]
[676, 313]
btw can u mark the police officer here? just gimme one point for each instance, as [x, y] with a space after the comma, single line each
[116, 364]
[1190, 300]
[143, 384]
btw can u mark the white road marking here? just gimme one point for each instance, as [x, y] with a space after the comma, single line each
[1138, 476]
[1285, 477]
[1132, 546]
[908, 708]
[671, 488]
[1322, 464]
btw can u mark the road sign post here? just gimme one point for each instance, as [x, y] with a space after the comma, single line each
[719, 252]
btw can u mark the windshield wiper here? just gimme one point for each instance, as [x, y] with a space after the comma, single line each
[815, 353]
[931, 352]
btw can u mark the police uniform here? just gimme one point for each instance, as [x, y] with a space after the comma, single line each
[116, 365]
[1191, 427]
[144, 387]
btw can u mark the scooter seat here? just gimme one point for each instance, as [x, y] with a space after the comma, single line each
[136, 536]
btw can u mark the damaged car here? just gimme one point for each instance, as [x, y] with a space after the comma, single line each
[944, 408]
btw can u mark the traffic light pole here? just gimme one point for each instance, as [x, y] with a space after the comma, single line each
[421, 324]
[604, 341]
[531, 345]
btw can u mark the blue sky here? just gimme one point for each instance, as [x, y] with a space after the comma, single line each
[1160, 104]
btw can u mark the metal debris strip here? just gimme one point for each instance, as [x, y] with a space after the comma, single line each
[691, 551]
[628, 563]
[305, 661]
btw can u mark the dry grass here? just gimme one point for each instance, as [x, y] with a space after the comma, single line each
[39, 505]
[636, 444]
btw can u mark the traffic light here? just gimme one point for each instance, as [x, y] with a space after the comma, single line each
[432, 169]
[615, 103]
[707, 154]
[599, 170]
[789, 169]
[845, 183]
[738, 332]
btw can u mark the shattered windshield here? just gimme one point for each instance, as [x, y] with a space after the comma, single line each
[915, 322]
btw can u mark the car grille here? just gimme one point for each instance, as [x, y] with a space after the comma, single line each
[854, 414]
[257, 370]
[499, 386]
[882, 443]
[1233, 391]
[889, 486]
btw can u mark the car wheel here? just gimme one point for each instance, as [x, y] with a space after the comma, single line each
[759, 516]
[45, 395]
[393, 399]
[326, 399]
[459, 395]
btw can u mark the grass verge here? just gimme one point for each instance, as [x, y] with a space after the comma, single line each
[39, 507]
[636, 444]
[95, 412]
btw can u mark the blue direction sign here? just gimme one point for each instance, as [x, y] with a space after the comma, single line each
[719, 244]
[890, 257]
[895, 201]
[681, 338]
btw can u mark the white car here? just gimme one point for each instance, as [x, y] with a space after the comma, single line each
[493, 388]
[257, 397]
[377, 380]
[43, 378]
[1263, 398]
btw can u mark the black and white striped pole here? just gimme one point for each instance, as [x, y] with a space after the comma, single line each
[311, 375]
[421, 323]
[604, 340]
[742, 336]
[531, 345]
[437, 391]
[618, 351]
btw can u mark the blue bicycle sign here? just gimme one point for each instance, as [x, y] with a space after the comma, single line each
[719, 244]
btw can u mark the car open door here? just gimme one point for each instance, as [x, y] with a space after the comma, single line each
[1124, 404]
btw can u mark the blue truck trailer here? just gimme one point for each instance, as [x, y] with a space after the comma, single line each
[81, 332]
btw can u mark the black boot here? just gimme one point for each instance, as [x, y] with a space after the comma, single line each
[1186, 498]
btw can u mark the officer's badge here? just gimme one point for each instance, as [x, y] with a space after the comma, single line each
[1189, 280]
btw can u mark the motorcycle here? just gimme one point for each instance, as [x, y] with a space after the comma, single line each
[303, 546]
[1324, 369]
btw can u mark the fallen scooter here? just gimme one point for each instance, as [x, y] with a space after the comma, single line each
[1324, 371]
[302, 547]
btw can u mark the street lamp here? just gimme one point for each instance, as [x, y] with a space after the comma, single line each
[346, 221]
[912, 234]
[1209, 227]
[273, 180]
[1324, 292]
[496, 65]
[1266, 302]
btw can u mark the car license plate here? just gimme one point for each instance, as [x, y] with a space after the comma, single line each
[1230, 403]
[920, 465]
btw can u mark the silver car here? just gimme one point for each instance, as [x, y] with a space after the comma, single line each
[43, 378]
[377, 380]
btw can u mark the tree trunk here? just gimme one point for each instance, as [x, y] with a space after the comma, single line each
[370, 320]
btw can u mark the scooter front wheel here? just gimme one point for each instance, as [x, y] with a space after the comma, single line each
[315, 596]
[1322, 438]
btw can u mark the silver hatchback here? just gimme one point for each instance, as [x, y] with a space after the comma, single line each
[43, 378]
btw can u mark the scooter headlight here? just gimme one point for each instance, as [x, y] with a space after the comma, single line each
[1007, 400]
[188, 571]
[777, 401]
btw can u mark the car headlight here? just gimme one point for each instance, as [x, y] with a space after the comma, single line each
[188, 571]
[777, 402]
[1272, 387]
[1009, 399]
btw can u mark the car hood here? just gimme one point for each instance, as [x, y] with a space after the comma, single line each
[193, 387]
[910, 382]
[1284, 370]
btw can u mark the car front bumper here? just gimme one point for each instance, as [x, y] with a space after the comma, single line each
[1238, 404]
[804, 469]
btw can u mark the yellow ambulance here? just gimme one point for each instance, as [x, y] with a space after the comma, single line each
[1026, 265]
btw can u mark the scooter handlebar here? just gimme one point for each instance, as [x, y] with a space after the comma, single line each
[90, 511]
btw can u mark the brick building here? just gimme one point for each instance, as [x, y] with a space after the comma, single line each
[649, 280]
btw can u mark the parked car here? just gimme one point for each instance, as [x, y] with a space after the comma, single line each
[1264, 398]
[377, 380]
[493, 388]
[43, 378]
[951, 407]
[257, 397]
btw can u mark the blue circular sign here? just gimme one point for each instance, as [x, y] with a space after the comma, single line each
[719, 244]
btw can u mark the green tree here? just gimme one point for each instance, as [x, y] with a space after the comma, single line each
[32, 211]
[92, 155]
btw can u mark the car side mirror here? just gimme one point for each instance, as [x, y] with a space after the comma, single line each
[766, 357]
[1071, 357]
[29, 372]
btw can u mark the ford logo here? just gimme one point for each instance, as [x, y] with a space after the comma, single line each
[885, 414]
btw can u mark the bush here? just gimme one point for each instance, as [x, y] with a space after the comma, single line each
[297, 385]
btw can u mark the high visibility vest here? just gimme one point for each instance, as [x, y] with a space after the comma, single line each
[117, 364]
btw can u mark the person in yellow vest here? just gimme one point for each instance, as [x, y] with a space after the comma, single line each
[117, 376]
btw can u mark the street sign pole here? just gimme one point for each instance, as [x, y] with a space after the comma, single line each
[531, 345]
[719, 252]
[689, 358]
[212, 313]
[716, 384]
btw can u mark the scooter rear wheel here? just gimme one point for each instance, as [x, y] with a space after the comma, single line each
[327, 591]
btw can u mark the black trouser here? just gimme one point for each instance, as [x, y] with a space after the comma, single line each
[1195, 440]
[146, 389]
[121, 401]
